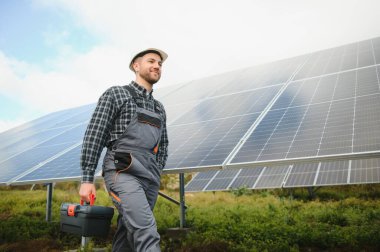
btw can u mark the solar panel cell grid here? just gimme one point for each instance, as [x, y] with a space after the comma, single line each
[73, 135]
[28, 142]
[365, 171]
[369, 83]
[65, 166]
[367, 121]
[247, 178]
[333, 173]
[206, 143]
[302, 175]
[22, 162]
[272, 177]
[233, 105]
[222, 180]
[200, 180]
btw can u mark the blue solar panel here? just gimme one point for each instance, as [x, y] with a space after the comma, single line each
[233, 105]
[260, 76]
[197, 90]
[78, 118]
[302, 175]
[333, 173]
[13, 136]
[199, 182]
[72, 135]
[24, 161]
[62, 168]
[206, 135]
[206, 143]
[247, 178]
[28, 142]
[272, 177]
[329, 173]
[222, 180]
[347, 123]
[365, 171]
[338, 59]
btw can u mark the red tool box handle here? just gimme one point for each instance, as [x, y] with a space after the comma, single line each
[92, 200]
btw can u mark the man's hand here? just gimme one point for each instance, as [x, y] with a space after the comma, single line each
[85, 190]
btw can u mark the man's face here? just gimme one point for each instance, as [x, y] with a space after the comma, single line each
[148, 67]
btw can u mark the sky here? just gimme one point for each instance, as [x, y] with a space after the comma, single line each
[60, 54]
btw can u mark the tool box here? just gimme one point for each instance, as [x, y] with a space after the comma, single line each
[86, 220]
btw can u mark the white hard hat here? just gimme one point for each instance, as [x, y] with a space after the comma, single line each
[163, 55]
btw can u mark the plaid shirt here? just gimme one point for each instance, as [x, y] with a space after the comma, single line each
[112, 115]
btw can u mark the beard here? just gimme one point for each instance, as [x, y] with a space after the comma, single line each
[150, 77]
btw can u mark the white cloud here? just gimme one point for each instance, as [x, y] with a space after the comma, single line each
[201, 37]
[209, 37]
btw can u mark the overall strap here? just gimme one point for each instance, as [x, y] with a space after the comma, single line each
[132, 91]
[134, 95]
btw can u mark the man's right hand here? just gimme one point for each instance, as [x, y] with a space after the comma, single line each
[85, 190]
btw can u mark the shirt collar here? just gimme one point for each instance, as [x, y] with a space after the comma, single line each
[141, 90]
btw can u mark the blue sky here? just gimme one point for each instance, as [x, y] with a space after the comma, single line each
[65, 53]
[34, 33]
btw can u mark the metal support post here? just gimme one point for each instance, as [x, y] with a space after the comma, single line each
[182, 200]
[49, 197]
[84, 242]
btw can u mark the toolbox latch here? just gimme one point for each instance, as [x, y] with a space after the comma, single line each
[71, 210]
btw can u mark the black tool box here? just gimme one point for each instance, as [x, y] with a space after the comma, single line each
[86, 220]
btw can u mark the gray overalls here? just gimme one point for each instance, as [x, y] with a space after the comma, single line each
[132, 178]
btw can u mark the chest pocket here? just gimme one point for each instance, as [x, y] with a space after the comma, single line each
[153, 121]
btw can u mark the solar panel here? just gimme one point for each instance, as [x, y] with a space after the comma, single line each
[81, 117]
[72, 135]
[270, 74]
[206, 135]
[200, 181]
[272, 177]
[329, 109]
[27, 160]
[333, 173]
[347, 123]
[301, 175]
[29, 142]
[63, 168]
[247, 178]
[29, 129]
[329, 173]
[365, 171]
[222, 180]
[205, 143]
[197, 90]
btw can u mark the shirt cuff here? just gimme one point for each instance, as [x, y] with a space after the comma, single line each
[87, 177]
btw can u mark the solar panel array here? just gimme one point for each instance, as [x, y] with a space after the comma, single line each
[304, 121]
[342, 172]
[328, 109]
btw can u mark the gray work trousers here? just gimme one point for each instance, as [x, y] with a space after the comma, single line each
[136, 227]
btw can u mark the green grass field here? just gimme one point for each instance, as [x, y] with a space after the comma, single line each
[345, 218]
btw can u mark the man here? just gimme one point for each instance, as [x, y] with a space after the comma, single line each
[132, 125]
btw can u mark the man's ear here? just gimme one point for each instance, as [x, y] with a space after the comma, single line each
[136, 66]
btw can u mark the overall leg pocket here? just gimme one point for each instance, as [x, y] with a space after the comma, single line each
[123, 161]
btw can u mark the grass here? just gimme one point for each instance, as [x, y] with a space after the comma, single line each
[345, 218]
